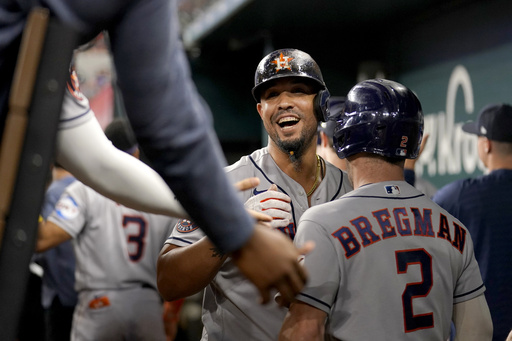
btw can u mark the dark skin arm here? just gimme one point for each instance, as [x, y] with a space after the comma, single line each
[184, 271]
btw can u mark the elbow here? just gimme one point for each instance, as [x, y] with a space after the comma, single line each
[168, 280]
[165, 287]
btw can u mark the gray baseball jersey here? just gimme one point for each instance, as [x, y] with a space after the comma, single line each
[388, 264]
[116, 251]
[230, 308]
[75, 107]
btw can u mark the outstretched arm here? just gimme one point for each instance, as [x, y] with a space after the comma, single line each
[184, 271]
[50, 235]
[86, 152]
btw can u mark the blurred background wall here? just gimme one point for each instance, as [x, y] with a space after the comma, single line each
[455, 54]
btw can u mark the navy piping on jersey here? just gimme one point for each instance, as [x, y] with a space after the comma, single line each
[315, 299]
[339, 187]
[291, 202]
[76, 117]
[381, 197]
[469, 292]
[272, 182]
[179, 239]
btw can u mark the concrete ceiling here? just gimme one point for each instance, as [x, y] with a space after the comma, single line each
[317, 24]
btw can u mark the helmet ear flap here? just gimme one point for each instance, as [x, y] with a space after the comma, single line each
[321, 105]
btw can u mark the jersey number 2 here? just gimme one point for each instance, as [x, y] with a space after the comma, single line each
[405, 258]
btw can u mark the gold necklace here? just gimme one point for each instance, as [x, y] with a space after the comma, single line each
[318, 162]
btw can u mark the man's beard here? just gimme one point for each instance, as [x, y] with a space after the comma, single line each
[295, 148]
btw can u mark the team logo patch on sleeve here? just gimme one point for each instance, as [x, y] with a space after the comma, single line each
[392, 189]
[186, 226]
[67, 208]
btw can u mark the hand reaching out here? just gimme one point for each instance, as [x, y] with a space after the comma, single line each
[270, 260]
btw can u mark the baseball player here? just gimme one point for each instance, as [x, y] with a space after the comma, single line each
[290, 94]
[116, 250]
[389, 264]
[324, 146]
[170, 121]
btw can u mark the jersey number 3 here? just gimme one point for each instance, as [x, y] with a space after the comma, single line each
[138, 224]
[421, 257]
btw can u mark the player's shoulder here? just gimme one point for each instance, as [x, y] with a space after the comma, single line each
[76, 109]
[338, 178]
[319, 213]
[248, 164]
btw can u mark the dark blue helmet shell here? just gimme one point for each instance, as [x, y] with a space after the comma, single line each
[380, 117]
[286, 63]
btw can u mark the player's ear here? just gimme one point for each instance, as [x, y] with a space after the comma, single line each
[487, 145]
[259, 108]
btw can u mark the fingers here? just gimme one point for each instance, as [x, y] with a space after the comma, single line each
[294, 284]
[306, 248]
[423, 143]
[262, 217]
[276, 203]
[264, 295]
[247, 183]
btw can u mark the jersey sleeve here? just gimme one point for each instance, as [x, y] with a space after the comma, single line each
[75, 107]
[321, 264]
[184, 233]
[469, 283]
[70, 210]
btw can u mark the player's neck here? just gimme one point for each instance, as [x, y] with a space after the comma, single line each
[304, 169]
[365, 171]
[495, 162]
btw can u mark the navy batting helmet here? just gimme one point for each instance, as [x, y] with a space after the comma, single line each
[292, 63]
[380, 117]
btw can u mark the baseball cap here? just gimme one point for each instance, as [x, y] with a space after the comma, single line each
[494, 122]
[335, 106]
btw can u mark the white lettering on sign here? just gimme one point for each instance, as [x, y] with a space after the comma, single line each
[456, 150]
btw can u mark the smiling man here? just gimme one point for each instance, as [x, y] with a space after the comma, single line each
[291, 98]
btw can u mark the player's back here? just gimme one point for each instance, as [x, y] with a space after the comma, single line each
[395, 264]
[115, 246]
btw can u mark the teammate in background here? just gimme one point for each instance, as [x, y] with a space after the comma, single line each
[116, 250]
[324, 147]
[398, 264]
[484, 205]
[172, 125]
[58, 295]
[293, 177]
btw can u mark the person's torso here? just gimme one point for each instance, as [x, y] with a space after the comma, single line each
[231, 310]
[394, 264]
[115, 246]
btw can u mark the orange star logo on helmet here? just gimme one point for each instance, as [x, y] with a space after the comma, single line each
[282, 63]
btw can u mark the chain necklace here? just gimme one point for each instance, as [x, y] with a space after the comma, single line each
[317, 178]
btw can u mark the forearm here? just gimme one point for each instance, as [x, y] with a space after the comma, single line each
[303, 323]
[172, 124]
[184, 271]
[50, 235]
[472, 320]
[87, 153]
